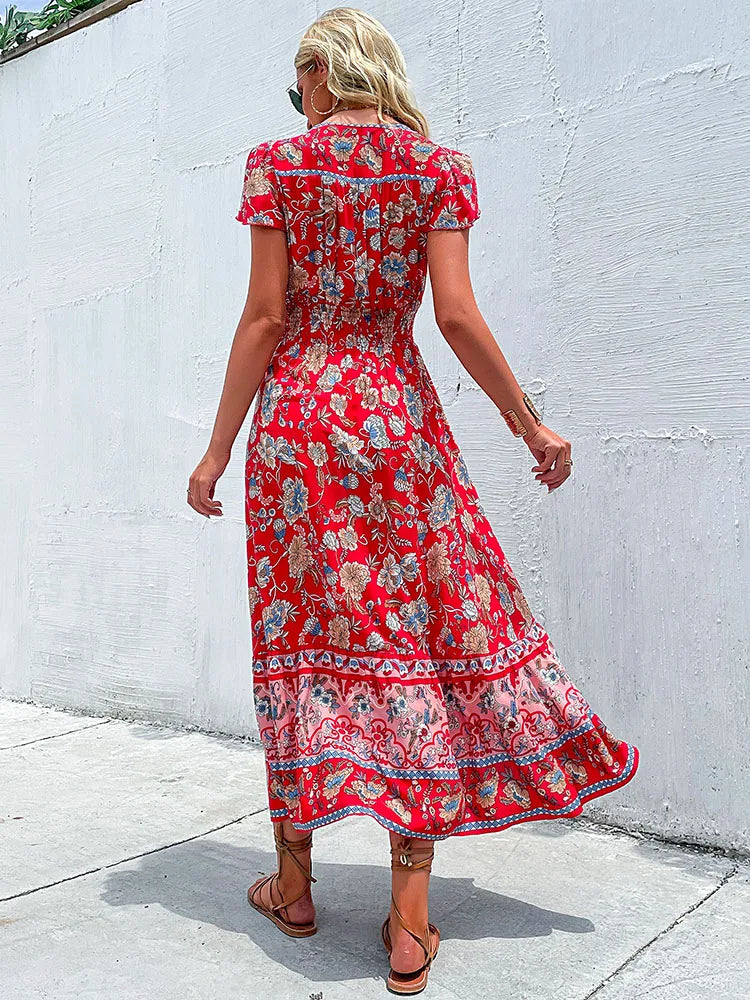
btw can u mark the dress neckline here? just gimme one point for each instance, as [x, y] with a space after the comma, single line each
[363, 125]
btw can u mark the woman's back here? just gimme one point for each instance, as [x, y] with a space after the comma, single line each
[349, 429]
[357, 202]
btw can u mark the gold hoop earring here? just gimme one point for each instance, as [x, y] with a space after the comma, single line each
[317, 110]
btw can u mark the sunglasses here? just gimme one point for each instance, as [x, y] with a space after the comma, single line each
[294, 95]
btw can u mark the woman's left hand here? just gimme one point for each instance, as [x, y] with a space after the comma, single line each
[552, 453]
[203, 481]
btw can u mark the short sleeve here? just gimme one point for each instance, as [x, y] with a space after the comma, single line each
[261, 203]
[455, 203]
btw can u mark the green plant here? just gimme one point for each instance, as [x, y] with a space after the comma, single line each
[19, 24]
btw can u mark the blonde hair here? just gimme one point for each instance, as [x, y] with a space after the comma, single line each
[365, 65]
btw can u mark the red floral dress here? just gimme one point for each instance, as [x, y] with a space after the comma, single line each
[398, 670]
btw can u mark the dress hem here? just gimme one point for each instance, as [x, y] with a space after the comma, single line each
[574, 808]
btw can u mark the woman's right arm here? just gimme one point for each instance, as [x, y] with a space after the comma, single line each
[258, 333]
[464, 328]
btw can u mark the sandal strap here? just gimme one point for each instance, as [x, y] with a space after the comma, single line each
[272, 881]
[414, 854]
[403, 854]
[429, 952]
[268, 880]
[420, 941]
[292, 847]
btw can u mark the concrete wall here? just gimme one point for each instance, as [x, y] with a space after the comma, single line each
[611, 144]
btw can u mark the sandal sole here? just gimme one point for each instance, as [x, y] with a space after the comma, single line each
[399, 987]
[291, 930]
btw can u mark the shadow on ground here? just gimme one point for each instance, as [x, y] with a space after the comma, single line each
[206, 881]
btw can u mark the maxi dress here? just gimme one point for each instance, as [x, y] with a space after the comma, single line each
[398, 671]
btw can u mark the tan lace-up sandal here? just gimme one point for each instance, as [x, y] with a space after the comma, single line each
[410, 856]
[284, 849]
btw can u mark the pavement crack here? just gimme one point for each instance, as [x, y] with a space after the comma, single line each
[55, 736]
[691, 909]
[133, 857]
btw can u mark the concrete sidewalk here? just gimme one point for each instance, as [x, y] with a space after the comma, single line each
[126, 850]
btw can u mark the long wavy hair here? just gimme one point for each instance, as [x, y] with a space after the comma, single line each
[365, 65]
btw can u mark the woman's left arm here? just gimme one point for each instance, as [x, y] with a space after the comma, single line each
[258, 333]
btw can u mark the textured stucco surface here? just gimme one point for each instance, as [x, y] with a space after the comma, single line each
[611, 146]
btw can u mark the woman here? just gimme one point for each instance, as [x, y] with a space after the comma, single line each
[398, 670]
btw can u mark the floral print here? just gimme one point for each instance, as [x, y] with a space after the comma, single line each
[398, 670]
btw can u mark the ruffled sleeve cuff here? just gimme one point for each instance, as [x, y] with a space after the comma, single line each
[262, 202]
[455, 203]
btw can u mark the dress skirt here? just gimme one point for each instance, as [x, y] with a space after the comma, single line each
[398, 670]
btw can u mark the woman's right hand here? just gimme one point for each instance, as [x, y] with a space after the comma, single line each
[200, 495]
[551, 452]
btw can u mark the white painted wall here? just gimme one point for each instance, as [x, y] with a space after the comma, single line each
[612, 145]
